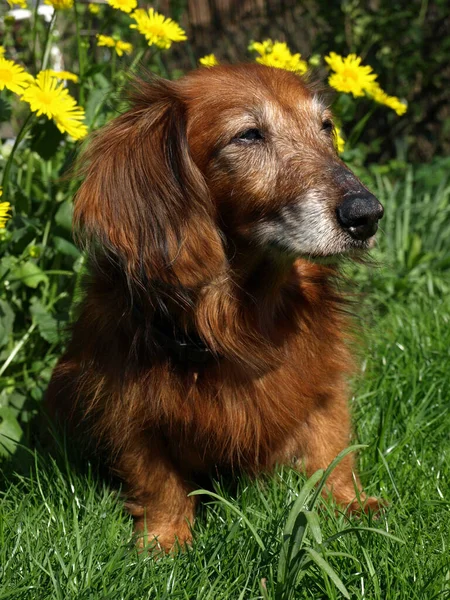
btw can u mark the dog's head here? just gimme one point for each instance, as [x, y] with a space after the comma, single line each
[264, 143]
[227, 154]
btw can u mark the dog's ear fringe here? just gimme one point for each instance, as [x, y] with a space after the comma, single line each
[142, 200]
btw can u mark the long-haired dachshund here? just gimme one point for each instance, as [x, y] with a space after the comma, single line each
[210, 335]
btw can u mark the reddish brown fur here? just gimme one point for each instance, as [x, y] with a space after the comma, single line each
[167, 206]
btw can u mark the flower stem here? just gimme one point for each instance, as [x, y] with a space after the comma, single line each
[113, 63]
[191, 55]
[24, 339]
[20, 136]
[33, 51]
[358, 128]
[162, 67]
[48, 42]
[80, 54]
[137, 58]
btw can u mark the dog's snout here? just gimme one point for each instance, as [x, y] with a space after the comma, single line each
[359, 214]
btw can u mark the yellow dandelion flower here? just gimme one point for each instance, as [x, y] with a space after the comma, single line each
[2, 52]
[66, 75]
[13, 77]
[5, 207]
[105, 40]
[349, 75]
[48, 97]
[397, 105]
[262, 48]
[123, 47]
[377, 93]
[209, 61]
[339, 141]
[157, 29]
[59, 4]
[277, 54]
[119, 46]
[124, 5]
[392, 102]
[19, 3]
[94, 9]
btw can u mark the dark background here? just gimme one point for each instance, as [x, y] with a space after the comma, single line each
[407, 42]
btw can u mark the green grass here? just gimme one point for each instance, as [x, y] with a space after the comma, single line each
[64, 536]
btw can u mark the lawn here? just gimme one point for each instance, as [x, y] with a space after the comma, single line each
[63, 535]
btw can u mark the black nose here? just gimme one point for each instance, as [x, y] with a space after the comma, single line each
[359, 214]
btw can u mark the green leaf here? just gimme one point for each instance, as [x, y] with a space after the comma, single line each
[10, 431]
[65, 247]
[331, 467]
[5, 110]
[64, 214]
[296, 542]
[68, 162]
[47, 325]
[313, 522]
[300, 502]
[349, 530]
[233, 509]
[45, 138]
[21, 205]
[6, 322]
[322, 563]
[295, 528]
[95, 104]
[415, 249]
[29, 274]
[15, 402]
[93, 69]
[7, 266]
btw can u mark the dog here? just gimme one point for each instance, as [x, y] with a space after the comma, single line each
[212, 334]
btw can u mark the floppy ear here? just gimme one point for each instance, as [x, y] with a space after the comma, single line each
[144, 200]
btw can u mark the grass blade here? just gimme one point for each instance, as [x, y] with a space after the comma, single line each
[301, 501]
[330, 468]
[322, 563]
[313, 523]
[298, 522]
[233, 509]
[339, 534]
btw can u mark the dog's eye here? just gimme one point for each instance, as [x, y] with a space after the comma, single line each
[327, 126]
[251, 135]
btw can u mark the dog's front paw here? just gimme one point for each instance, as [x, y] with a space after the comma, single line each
[166, 537]
[366, 504]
